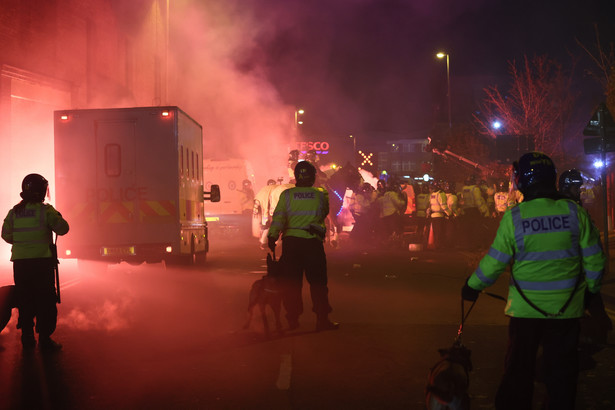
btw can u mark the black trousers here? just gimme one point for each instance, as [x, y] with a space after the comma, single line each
[301, 255]
[559, 340]
[35, 293]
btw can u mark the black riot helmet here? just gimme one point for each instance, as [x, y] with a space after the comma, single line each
[571, 177]
[535, 173]
[471, 180]
[34, 188]
[305, 174]
[570, 184]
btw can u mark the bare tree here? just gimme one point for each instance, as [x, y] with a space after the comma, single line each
[538, 104]
[604, 58]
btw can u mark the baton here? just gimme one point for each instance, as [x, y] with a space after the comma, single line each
[54, 255]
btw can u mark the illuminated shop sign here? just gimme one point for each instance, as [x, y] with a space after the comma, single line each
[321, 147]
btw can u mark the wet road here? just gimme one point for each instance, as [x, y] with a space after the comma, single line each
[158, 337]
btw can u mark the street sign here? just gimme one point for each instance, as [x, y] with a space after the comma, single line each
[592, 129]
[594, 145]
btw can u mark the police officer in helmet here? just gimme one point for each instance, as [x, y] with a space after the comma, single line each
[300, 218]
[570, 183]
[556, 258]
[29, 227]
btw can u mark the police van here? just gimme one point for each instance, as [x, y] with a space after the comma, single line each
[130, 183]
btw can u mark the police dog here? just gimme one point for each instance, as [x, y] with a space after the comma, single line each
[448, 381]
[7, 303]
[267, 291]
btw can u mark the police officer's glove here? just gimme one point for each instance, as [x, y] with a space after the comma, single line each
[468, 293]
[271, 243]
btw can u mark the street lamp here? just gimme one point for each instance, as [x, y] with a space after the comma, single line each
[441, 55]
[298, 119]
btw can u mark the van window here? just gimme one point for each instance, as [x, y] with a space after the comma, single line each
[181, 162]
[187, 164]
[113, 160]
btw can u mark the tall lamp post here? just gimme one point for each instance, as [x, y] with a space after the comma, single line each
[441, 55]
[298, 119]
[354, 149]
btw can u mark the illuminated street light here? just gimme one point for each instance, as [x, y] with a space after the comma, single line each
[441, 55]
[496, 125]
[298, 119]
[299, 112]
[598, 164]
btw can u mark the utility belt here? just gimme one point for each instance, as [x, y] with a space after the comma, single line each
[313, 229]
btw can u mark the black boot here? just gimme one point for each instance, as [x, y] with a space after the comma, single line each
[323, 323]
[47, 344]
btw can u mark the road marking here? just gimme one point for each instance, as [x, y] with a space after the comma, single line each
[286, 368]
[70, 283]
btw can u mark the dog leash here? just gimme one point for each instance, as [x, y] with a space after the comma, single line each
[464, 316]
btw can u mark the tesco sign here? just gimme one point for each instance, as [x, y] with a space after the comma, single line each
[322, 146]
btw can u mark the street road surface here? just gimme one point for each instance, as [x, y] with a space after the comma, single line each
[160, 337]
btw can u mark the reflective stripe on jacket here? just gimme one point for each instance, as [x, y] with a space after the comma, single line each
[30, 229]
[301, 212]
[551, 244]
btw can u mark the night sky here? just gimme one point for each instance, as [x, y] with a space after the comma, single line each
[358, 65]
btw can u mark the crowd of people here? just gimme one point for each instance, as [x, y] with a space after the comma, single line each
[433, 214]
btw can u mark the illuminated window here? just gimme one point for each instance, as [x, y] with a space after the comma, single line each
[113, 160]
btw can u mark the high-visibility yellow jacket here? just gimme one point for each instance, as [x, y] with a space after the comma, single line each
[473, 198]
[551, 244]
[301, 212]
[439, 204]
[390, 204]
[501, 201]
[422, 204]
[30, 230]
[453, 204]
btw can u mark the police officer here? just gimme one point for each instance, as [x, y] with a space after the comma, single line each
[570, 183]
[474, 211]
[556, 257]
[439, 212]
[29, 227]
[300, 217]
[453, 204]
[500, 199]
[422, 208]
[597, 324]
